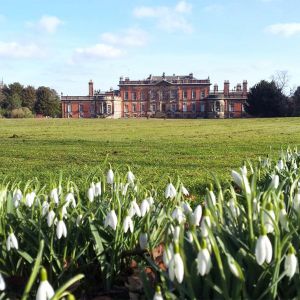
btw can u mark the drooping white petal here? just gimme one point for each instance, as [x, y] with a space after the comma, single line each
[91, 194]
[260, 250]
[111, 220]
[54, 195]
[269, 249]
[130, 177]
[203, 262]
[128, 224]
[275, 182]
[290, 265]
[145, 207]
[178, 267]
[110, 176]
[167, 255]
[98, 189]
[78, 220]
[196, 215]
[237, 178]
[184, 191]
[50, 218]
[45, 208]
[178, 215]
[45, 291]
[2, 283]
[268, 218]
[170, 191]
[205, 224]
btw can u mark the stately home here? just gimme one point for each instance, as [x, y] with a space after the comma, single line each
[160, 96]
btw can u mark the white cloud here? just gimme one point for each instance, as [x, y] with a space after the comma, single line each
[19, 51]
[284, 29]
[131, 37]
[98, 51]
[46, 23]
[168, 18]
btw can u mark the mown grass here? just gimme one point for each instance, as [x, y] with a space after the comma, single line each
[155, 149]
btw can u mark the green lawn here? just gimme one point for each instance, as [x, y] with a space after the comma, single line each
[154, 148]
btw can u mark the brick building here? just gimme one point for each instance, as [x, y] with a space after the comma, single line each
[96, 104]
[160, 96]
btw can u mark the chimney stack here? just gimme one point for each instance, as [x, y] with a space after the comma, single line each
[215, 88]
[245, 87]
[226, 87]
[91, 88]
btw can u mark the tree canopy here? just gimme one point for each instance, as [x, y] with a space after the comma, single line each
[265, 99]
[47, 102]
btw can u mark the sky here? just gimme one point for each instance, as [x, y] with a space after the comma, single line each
[65, 43]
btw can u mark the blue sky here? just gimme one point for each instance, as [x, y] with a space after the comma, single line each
[65, 43]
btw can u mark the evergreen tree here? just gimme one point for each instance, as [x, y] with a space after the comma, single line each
[296, 101]
[265, 99]
[48, 103]
[29, 97]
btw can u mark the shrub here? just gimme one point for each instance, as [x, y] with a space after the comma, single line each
[20, 113]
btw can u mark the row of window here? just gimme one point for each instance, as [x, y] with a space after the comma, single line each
[162, 95]
[107, 109]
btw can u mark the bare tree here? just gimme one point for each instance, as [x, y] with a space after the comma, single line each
[282, 79]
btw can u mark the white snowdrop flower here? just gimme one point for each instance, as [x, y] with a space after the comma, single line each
[64, 211]
[295, 165]
[130, 177]
[168, 254]
[12, 242]
[205, 224]
[145, 207]
[29, 198]
[128, 224]
[17, 197]
[237, 178]
[184, 190]
[204, 264]
[235, 210]
[178, 215]
[280, 165]
[212, 197]
[195, 216]
[70, 199]
[45, 290]
[45, 208]
[91, 194]
[54, 195]
[61, 229]
[2, 283]
[143, 240]
[268, 218]
[50, 218]
[190, 237]
[79, 220]
[158, 295]
[124, 189]
[98, 189]
[150, 200]
[134, 209]
[274, 182]
[110, 176]
[170, 191]
[296, 201]
[244, 170]
[176, 267]
[233, 267]
[186, 208]
[263, 250]
[111, 220]
[176, 233]
[283, 217]
[290, 263]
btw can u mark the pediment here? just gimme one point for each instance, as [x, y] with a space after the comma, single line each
[163, 83]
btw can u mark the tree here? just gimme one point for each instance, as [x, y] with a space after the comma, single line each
[12, 96]
[48, 103]
[29, 97]
[265, 99]
[296, 101]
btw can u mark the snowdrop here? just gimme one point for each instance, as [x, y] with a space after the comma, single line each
[111, 220]
[70, 199]
[12, 241]
[170, 191]
[158, 295]
[280, 165]
[45, 290]
[98, 189]
[143, 240]
[205, 223]
[145, 207]
[178, 215]
[110, 176]
[204, 264]
[91, 194]
[195, 217]
[290, 263]
[17, 197]
[176, 234]
[168, 254]
[189, 237]
[50, 218]
[128, 224]
[296, 201]
[235, 210]
[283, 217]
[241, 181]
[176, 267]
[186, 208]
[134, 209]
[29, 199]
[263, 249]
[45, 208]
[244, 170]
[54, 195]
[211, 195]
[184, 191]
[2, 283]
[78, 220]
[274, 182]
[268, 218]
[130, 177]
[61, 229]
[233, 267]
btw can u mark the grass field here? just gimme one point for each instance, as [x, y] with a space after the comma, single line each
[154, 149]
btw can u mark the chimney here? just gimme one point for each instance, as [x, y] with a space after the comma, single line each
[238, 87]
[91, 88]
[226, 87]
[245, 87]
[215, 88]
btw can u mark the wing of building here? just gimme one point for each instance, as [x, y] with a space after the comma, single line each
[173, 96]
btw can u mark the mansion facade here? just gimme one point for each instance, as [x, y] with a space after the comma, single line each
[160, 96]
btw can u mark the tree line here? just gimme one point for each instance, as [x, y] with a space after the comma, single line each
[17, 101]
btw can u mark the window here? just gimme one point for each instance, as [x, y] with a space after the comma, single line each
[202, 107]
[184, 107]
[174, 94]
[203, 94]
[133, 96]
[142, 96]
[184, 94]
[92, 108]
[218, 107]
[174, 107]
[109, 109]
[126, 108]
[143, 107]
[80, 108]
[126, 96]
[134, 107]
[153, 107]
[243, 107]
[231, 107]
[193, 94]
[69, 108]
[193, 107]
